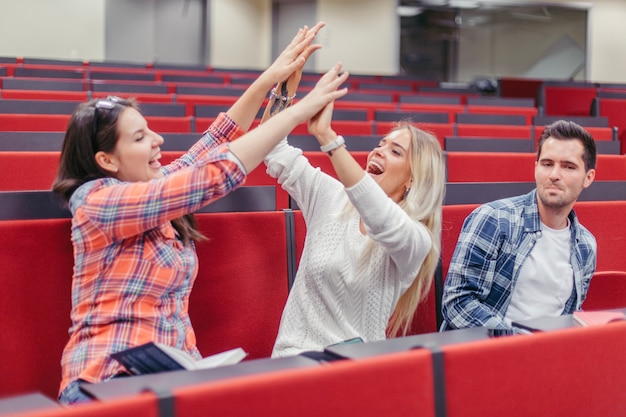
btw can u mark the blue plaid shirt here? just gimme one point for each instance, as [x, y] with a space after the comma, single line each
[495, 240]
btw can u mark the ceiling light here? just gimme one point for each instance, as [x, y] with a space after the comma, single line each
[408, 11]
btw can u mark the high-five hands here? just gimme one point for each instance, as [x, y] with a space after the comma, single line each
[292, 59]
[325, 91]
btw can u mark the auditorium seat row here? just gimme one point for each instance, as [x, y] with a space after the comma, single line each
[574, 372]
[246, 268]
[573, 99]
[20, 171]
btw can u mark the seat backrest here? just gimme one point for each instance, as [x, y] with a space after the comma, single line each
[242, 284]
[490, 167]
[36, 262]
[391, 385]
[603, 219]
[574, 372]
[606, 291]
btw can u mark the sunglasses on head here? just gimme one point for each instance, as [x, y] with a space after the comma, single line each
[104, 104]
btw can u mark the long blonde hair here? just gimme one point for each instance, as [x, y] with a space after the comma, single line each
[423, 202]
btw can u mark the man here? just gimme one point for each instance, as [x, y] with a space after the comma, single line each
[527, 256]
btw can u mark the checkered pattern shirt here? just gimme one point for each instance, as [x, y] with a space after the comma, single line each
[495, 240]
[132, 275]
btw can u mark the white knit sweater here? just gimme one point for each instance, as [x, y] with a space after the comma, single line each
[338, 293]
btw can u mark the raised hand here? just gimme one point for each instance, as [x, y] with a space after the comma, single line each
[325, 92]
[294, 56]
[294, 78]
[319, 124]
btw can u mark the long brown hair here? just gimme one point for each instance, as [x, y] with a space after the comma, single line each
[92, 129]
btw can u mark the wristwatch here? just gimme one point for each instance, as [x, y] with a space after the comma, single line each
[333, 145]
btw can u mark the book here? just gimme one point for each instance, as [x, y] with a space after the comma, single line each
[596, 318]
[154, 357]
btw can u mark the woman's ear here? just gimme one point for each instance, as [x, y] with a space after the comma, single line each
[106, 162]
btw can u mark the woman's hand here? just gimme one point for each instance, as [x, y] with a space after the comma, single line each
[325, 92]
[319, 125]
[294, 56]
[294, 78]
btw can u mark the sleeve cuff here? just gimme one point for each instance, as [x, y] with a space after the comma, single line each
[224, 129]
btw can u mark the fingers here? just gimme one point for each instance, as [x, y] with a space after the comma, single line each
[309, 50]
[332, 76]
[317, 27]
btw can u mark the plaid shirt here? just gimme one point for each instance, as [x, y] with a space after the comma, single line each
[132, 275]
[495, 240]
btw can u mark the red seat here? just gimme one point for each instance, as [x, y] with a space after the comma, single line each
[36, 264]
[390, 385]
[572, 372]
[238, 297]
[606, 291]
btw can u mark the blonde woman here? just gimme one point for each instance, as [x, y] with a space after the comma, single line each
[373, 235]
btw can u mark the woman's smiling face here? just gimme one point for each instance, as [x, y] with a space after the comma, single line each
[389, 164]
[137, 152]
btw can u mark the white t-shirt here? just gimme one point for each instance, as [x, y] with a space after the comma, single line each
[546, 278]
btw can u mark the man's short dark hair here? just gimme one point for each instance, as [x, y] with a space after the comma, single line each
[567, 130]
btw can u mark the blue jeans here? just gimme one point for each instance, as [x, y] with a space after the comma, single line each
[73, 395]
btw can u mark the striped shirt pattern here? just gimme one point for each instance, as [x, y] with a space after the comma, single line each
[132, 275]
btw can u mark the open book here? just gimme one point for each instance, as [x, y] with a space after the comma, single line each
[154, 357]
[595, 318]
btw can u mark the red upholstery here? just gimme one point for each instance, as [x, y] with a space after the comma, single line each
[425, 317]
[453, 218]
[34, 122]
[241, 287]
[165, 124]
[237, 300]
[141, 405]
[573, 372]
[78, 96]
[36, 262]
[607, 290]
[490, 166]
[390, 385]
[614, 110]
[27, 170]
[607, 222]
[610, 167]
[568, 100]
[517, 166]
[598, 133]
[59, 122]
